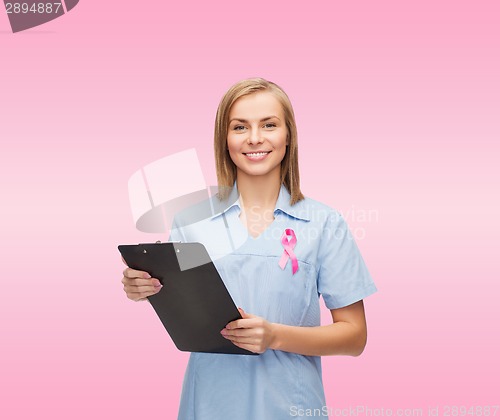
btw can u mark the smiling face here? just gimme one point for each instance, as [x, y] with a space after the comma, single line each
[257, 135]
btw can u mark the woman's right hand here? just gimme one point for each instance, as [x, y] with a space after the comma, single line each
[138, 285]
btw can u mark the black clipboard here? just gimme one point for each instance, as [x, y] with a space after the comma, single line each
[193, 304]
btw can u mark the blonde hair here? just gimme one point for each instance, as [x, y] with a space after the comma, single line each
[225, 167]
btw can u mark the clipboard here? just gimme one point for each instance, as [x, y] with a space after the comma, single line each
[193, 304]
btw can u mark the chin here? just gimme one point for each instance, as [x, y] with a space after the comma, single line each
[256, 172]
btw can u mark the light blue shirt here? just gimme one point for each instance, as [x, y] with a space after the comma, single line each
[274, 385]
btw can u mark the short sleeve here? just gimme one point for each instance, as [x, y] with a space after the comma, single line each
[343, 277]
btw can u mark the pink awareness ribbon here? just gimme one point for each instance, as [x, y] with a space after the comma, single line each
[288, 252]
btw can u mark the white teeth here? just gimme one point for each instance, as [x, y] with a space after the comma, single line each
[257, 154]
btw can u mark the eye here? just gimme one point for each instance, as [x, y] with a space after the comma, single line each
[238, 127]
[270, 125]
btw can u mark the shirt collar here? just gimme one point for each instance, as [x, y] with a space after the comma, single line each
[298, 210]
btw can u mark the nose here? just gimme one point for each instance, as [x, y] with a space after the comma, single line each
[254, 136]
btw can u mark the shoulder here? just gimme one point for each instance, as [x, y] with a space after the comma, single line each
[195, 209]
[316, 211]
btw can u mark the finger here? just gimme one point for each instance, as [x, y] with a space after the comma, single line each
[249, 347]
[244, 314]
[241, 333]
[231, 334]
[245, 341]
[131, 273]
[141, 289]
[242, 323]
[140, 282]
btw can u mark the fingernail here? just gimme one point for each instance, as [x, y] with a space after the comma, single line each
[156, 283]
[147, 276]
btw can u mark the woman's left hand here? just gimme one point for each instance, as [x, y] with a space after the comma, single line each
[252, 333]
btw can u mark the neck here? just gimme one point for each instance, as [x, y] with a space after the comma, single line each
[259, 191]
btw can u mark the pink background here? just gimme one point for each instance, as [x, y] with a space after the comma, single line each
[398, 107]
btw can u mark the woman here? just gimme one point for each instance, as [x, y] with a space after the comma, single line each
[294, 250]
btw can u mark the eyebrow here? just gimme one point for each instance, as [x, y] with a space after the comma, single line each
[263, 119]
